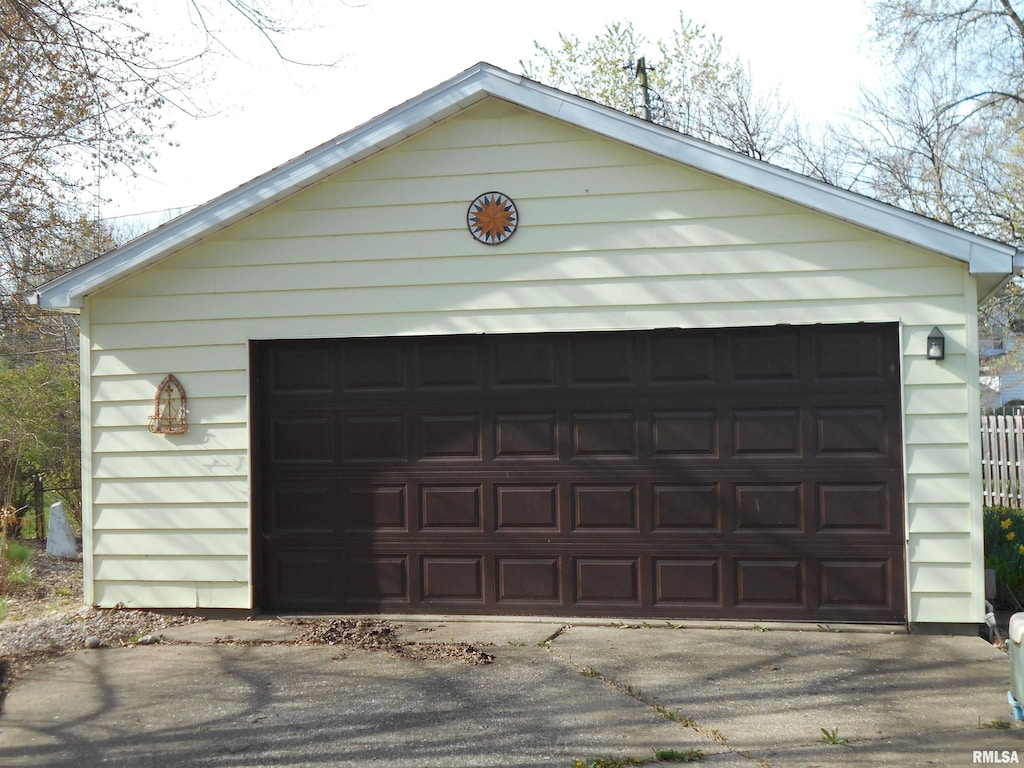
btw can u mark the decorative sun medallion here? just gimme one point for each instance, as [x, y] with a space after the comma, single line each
[492, 218]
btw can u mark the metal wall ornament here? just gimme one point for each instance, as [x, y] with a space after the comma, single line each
[170, 410]
[492, 218]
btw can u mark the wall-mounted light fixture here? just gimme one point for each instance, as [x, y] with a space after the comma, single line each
[936, 345]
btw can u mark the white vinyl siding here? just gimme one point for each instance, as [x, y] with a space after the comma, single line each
[610, 238]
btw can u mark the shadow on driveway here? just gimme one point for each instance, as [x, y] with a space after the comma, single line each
[744, 698]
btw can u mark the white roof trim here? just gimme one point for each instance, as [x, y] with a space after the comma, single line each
[984, 256]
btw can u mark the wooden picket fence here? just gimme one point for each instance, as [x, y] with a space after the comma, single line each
[1002, 458]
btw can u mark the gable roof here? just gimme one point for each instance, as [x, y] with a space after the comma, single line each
[991, 261]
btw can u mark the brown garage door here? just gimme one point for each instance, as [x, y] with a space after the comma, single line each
[750, 473]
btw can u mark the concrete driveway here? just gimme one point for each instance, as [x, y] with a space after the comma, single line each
[554, 694]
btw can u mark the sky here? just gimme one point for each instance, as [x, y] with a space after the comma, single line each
[388, 51]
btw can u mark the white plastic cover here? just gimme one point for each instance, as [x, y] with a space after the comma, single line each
[1017, 628]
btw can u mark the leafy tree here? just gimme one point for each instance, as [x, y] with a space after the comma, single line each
[979, 40]
[64, 109]
[85, 91]
[39, 433]
[939, 136]
[908, 148]
[693, 87]
[944, 138]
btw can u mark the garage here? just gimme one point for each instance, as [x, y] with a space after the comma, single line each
[747, 473]
[504, 351]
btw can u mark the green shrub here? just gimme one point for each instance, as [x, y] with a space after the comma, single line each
[1004, 551]
[15, 564]
[19, 574]
[17, 552]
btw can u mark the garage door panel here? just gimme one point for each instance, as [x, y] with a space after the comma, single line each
[304, 578]
[303, 508]
[520, 507]
[851, 430]
[763, 356]
[849, 354]
[680, 508]
[856, 583]
[769, 506]
[603, 507]
[751, 473]
[526, 435]
[604, 434]
[446, 578]
[854, 506]
[684, 433]
[528, 580]
[526, 362]
[305, 439]
[378, 578]
[376, 438]
[769, 582]
[767, 431]
[688, 361]
[609, 581]
[601, 359]
[449, 436]
[444, 366]
[451, 507]
[375, 507]
[369, 367]
[302, 369]
[687, 582]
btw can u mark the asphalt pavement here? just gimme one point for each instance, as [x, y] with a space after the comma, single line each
[736, 695]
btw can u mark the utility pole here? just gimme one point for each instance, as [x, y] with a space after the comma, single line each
[641, 72]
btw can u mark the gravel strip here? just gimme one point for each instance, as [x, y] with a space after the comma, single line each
[85, 627]
[46, 619]
[29, 641]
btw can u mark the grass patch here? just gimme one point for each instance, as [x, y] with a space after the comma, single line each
[677, 756]
[15, 564]
[657, 706]
[660, 756]
[833, 737]
[19, 574]
[675, 717]
[17, 552]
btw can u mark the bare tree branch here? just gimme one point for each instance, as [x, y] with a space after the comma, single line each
[692, 87]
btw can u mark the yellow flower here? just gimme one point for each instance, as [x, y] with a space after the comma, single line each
[1007, 523]
[1021, 549]
[1011, 536]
